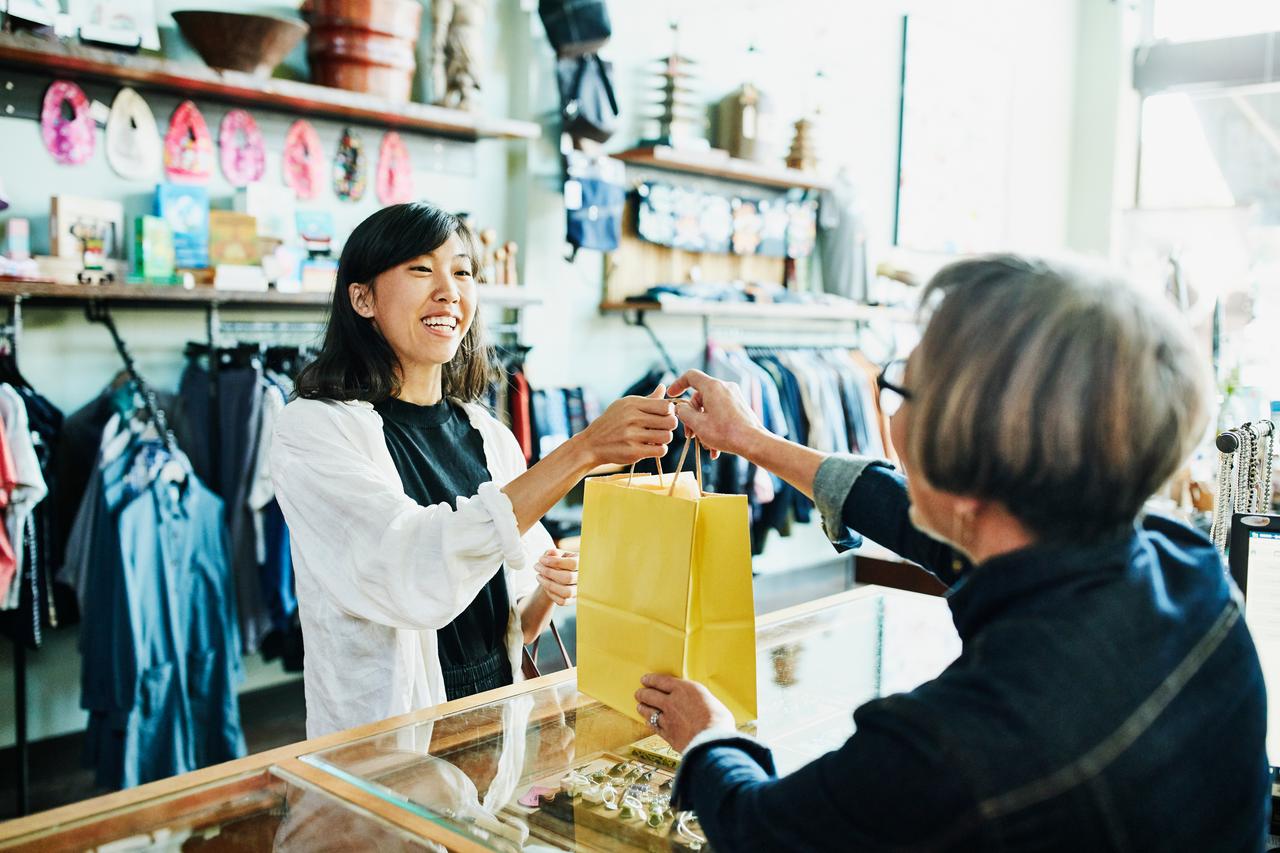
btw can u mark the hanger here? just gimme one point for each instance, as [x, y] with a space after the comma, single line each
[9, 372]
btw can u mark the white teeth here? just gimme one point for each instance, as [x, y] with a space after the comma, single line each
[441, 323]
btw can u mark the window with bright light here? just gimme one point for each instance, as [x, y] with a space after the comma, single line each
[1197, 20]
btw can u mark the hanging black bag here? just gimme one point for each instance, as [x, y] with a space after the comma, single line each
[588, 107]
[575, 27]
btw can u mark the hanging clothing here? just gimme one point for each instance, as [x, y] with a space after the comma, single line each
[29, 488]
[842, 242]
[521, 420]
[378, 574]
[160, 655]
[8, 482]
[240, 391]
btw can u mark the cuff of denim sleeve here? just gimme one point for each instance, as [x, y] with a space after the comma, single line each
[681, 798]
[831, 487]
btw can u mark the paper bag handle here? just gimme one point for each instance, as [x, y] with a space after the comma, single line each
[675, 476]
[680, 466]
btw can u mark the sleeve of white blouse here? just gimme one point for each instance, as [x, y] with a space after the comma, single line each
[371, 548]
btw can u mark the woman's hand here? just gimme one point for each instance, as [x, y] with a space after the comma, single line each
[558, 576]
[631, 429]
[687, 709]
[717, 414]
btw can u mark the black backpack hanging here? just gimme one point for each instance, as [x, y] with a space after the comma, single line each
[575, 27]
[588, 107]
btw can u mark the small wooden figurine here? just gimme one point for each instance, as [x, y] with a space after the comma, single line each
[500, 265]
[488, 270]
[511, 278]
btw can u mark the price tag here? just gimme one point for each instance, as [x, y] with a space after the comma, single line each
[572, 195]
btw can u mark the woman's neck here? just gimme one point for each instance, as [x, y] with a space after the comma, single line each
[422, 386]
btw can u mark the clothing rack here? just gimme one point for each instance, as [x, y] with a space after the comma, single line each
[275, 327]
[793, 334]
[96, 312]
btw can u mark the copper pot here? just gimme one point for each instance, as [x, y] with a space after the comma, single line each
[334, 44]
[399, 18]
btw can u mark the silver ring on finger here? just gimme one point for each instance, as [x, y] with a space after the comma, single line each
[655, 720]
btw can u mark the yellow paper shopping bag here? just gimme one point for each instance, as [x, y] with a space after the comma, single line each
[665, 586]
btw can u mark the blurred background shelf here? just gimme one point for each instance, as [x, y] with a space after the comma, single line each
[766, 310]
[28, 53]
[39, 290]
[699, 163]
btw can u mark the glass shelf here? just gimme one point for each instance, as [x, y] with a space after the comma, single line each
[264, 810]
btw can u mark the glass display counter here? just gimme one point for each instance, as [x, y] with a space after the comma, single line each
[532, 767]
[267, 809]
[553, 769]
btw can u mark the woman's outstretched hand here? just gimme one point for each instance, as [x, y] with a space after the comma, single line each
[631, 429]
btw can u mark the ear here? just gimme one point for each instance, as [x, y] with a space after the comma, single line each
[361, 299]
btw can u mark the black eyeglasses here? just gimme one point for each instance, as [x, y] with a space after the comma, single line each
[889, 382]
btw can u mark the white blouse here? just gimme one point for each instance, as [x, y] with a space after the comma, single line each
[377, 574]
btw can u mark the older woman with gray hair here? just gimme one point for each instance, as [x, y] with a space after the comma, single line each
[1108, 696]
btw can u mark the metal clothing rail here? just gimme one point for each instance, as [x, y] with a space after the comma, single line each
[790, 333]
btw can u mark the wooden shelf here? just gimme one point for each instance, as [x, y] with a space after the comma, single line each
[728, 168]
[51, 292]
[766, 310]
[26, 52]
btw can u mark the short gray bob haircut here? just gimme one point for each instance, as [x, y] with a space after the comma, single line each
[1060, 392]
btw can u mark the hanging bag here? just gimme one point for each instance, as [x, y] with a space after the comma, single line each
[575, 27]
[588, 106]
[594, 197]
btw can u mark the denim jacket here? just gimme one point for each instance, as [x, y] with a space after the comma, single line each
[1108, 697]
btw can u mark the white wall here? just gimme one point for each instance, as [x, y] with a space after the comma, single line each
[857, 46]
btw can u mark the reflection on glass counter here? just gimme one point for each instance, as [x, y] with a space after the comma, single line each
[266, 810]
[554, 769]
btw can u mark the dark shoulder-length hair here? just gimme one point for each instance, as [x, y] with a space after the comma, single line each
[356, 362]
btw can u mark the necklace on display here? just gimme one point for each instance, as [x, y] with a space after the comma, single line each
[1245, 465]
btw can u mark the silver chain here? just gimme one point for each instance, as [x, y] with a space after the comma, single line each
[1266, 478]
[1223, 501]
[1244, 461]
[1244, 479]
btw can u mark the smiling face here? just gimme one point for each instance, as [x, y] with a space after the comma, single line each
[423, 307]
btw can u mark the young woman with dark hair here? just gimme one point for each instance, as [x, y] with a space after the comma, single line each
[421, 566]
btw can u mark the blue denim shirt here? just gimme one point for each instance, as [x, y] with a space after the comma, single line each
[1108, 697]
[159, 641]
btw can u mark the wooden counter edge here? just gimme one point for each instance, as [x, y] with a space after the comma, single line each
[85, 809]
[284, 756]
